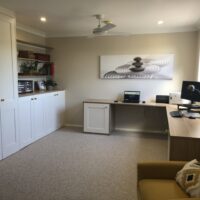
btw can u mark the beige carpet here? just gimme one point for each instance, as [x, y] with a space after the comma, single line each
[70, 165]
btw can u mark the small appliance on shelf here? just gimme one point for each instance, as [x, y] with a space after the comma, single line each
[25, 86]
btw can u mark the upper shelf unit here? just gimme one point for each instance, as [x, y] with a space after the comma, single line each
[34, 59]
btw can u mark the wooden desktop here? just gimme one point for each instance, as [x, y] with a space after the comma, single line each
[184, 133]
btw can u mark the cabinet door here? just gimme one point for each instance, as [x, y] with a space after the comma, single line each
[96, 118]
[8, 72]
[26, 137]
[49, 114]
[59, 102]
[1, 156]
[37, 116]
[54, 110]
[9, 129]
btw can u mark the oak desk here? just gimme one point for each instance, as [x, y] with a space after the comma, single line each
[184, 133]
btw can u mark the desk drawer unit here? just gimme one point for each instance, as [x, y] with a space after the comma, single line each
[96, 118]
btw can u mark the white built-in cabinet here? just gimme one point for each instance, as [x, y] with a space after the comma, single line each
[49, 114]
[37, 116]
[31, 119]
[96, 118]
[25, 119]
[54, 108]
[40, 115]
[9, 127]
[25, 123]
[1, 155]
[54, 111]
[59, 102]
[9, 134]
[8, 67]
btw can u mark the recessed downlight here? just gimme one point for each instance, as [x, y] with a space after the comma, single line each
[43, 19]
[160, 22]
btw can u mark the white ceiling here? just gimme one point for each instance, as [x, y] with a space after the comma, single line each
[74, 17]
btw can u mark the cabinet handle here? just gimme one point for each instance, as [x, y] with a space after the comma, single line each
[2, 100]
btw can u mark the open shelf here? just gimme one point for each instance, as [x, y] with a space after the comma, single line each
[32, 64]
[32, 75]
[33, 60]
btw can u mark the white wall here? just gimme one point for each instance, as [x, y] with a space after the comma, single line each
[77, 66]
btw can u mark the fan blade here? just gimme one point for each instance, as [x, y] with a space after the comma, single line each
[107, 27]
[104, 28]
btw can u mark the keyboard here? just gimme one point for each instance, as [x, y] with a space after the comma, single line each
[185, 113]
[191, 114]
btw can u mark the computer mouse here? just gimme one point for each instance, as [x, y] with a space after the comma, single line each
[115, 101]
[143, 101]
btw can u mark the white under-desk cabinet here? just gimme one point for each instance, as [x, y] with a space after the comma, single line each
[96, 118]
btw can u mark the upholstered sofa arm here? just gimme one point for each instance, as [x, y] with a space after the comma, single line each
[159, 169]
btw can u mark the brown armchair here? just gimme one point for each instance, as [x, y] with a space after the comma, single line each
[156, 181]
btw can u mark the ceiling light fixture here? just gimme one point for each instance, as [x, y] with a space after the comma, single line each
[160, 22]
[43, 19]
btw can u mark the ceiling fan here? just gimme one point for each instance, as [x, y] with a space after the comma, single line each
[103, 25]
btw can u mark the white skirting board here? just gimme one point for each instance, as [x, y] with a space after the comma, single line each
[141, 131]
[74, 125]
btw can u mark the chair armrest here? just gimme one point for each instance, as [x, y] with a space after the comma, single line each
[159, 169]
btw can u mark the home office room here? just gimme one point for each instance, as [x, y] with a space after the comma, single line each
[99, 100]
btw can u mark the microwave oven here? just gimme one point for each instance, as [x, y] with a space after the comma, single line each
[25, 86]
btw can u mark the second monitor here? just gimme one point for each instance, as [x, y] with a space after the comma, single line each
[191, 91]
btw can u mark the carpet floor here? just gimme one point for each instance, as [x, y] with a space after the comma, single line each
[70, 165]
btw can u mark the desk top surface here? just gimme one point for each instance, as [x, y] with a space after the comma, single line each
[106, 101]
[178, 127]
[182, 127]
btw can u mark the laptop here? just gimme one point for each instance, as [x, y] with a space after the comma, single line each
[131, 96]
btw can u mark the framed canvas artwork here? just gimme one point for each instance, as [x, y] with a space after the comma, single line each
[137, 66]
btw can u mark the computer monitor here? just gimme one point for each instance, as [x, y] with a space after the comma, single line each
[191, 91]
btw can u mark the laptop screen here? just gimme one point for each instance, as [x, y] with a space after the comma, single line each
[132, 96]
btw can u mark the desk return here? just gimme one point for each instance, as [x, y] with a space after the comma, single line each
[184, 133]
